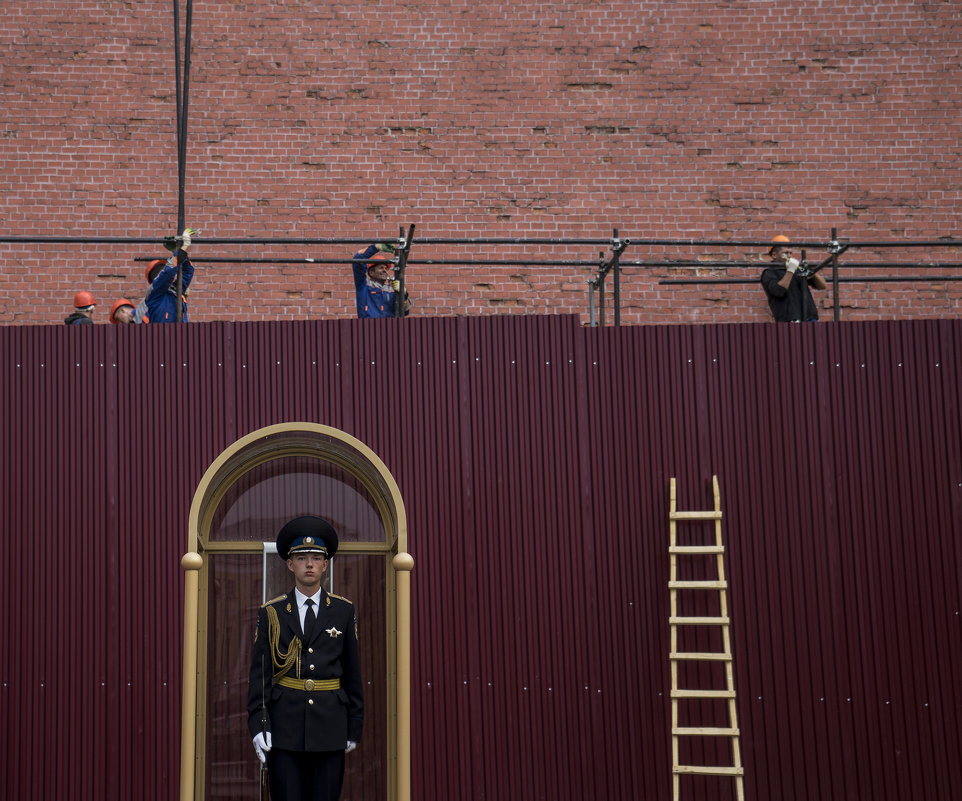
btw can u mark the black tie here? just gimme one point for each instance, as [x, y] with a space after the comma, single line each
[309, 619]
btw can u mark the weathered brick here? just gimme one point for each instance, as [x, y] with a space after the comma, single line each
[700, 120]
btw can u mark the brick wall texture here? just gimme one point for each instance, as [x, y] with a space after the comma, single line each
[722, 121]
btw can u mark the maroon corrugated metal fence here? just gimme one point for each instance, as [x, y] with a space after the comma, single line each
[534, 457]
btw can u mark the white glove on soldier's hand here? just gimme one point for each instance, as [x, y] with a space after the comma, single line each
[791, 265]
[351, 745]
[262, 744]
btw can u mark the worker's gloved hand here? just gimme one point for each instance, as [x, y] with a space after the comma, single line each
[396, 286]
[791, 265]
[385, 247]
[351, 745]
[182, 242]
[262, 744]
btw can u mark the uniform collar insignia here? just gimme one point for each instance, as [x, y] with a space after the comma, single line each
[333, 632]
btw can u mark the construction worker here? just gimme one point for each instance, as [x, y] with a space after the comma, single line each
[83, 310]
[161, 300]
[374, 286]
[153, 269]
[122, 311]
[787, 286]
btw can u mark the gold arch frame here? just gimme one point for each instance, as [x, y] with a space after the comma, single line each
[336, 447]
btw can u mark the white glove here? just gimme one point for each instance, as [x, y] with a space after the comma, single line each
[351, 745]
[185, 239]
[791, 265]
[262, 744]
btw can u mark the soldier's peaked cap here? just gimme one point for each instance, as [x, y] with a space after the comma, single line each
[306, 534]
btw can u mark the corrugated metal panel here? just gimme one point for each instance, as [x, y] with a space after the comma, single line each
[90, 666]
[838, 450]
[534, 458]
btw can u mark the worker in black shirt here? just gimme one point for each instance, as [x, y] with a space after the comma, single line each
[787, 287]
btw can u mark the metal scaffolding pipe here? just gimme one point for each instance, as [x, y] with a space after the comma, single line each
[714, 243]
[897, 279]
[554, 263]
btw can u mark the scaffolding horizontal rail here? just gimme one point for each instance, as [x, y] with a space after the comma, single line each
[596, 242]
[861, 279]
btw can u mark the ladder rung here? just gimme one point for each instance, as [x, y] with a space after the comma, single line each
[709, 771]
[709, 515]
[704, 731]
[702, 693]
[693, 549]
[698, 621]
[707, 656]
[698, 585]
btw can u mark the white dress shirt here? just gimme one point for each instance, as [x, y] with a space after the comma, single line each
[302, 604]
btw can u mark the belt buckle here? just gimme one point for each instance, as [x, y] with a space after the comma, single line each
[308, 684]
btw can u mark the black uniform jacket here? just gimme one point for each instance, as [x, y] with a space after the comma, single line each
[300, 719]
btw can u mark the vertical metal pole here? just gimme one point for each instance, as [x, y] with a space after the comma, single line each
[181, 99]
[601, 289]
[617, 268]
[182, 121]
[177, 100]
[591, 303]
[177, 74]
[400, 268]
[399, 274]
[836, 303]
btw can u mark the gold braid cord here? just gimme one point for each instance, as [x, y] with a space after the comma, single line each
[283, 662]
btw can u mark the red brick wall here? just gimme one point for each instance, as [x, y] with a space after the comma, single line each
[705, 120]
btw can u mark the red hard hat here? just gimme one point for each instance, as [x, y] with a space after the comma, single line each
[117, 305]
[152, 265]
[83, 299]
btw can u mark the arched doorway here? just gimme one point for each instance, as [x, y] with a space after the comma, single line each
[249, 491]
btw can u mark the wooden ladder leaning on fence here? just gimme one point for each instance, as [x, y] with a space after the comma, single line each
[689, 662]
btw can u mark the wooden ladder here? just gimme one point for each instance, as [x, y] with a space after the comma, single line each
[708, 624]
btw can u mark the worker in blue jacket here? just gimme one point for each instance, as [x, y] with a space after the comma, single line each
[374, 284]
[161, 300]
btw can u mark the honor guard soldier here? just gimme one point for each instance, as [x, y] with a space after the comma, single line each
[305, 698]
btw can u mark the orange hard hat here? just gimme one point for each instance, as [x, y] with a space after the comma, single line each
[118, 304]
[83, 299]
[779, 241]
[380, 256]
[150, 268]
